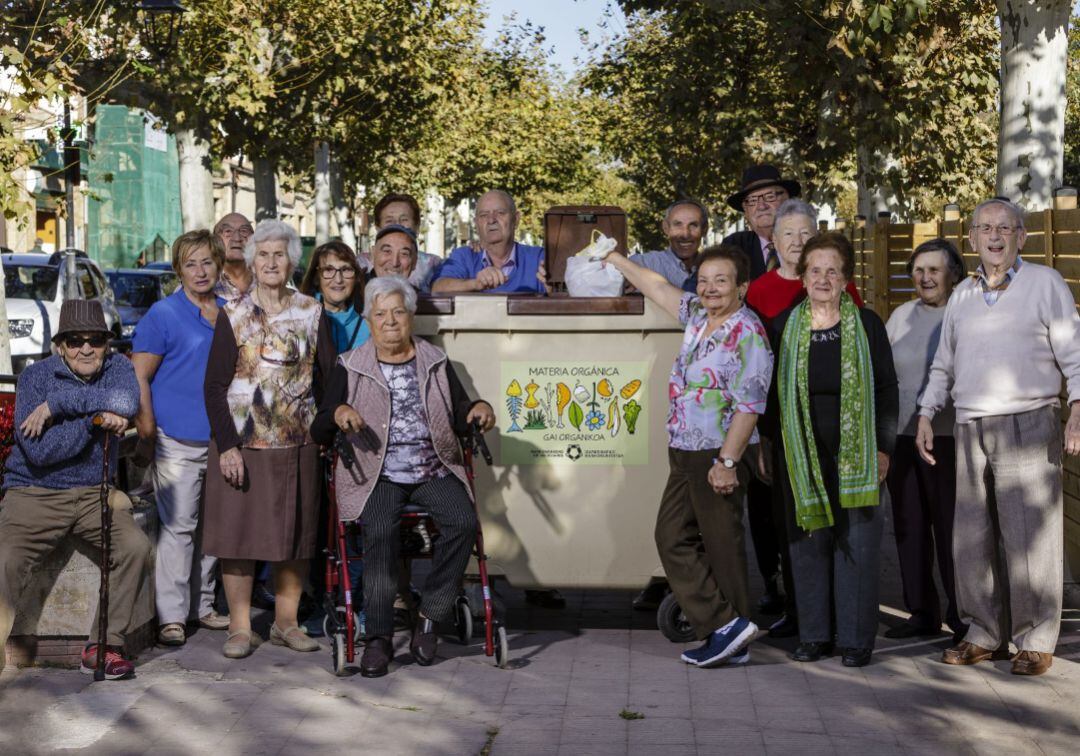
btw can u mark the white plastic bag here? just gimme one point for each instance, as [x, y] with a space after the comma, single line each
[591, 278]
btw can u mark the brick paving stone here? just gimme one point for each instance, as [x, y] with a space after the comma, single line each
[651, 749]
[652, 730]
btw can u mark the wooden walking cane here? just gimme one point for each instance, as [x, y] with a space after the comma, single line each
[106, 549]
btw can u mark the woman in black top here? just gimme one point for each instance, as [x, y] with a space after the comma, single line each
[834, 404]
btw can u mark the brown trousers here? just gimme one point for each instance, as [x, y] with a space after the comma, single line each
[699, 534]
[34, 520]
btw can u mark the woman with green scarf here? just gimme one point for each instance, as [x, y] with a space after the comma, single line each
[836, 396]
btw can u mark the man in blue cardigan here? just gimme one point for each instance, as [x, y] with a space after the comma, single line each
[502, 265]
[52, 478]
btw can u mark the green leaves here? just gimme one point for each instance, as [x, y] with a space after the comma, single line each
[575, 415]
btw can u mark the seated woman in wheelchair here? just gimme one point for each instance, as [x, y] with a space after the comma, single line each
[403, 409]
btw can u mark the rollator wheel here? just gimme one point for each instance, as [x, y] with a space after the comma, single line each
[358, 631]
[464, 623]
[337, 652]
[502, 648]
[672, 622]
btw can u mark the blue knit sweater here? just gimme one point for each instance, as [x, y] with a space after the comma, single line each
[68, 453]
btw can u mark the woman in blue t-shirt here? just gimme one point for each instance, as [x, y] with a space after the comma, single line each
[334, 278]
[170, 350]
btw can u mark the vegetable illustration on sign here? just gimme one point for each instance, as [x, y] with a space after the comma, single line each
[562, 396]
[631, 410]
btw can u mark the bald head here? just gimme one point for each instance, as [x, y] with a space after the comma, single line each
[234, 230]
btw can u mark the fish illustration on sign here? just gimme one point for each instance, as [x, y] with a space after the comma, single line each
[513, 405]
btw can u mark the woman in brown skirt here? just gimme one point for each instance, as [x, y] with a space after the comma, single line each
[263, 381]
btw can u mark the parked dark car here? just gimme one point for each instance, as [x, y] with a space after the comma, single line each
[136, 289]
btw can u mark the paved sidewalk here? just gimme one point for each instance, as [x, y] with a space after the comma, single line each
[567, 692]
[594, 678]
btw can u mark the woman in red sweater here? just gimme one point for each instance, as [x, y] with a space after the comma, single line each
[775, 291]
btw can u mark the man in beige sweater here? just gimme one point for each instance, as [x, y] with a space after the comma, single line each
[1009, 335]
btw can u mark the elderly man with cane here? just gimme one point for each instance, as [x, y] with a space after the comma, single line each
[53, 484]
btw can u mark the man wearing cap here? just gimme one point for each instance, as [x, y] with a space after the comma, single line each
[52, 477]
[404, 210]
[501, 265]
[234, 230]
[685, 223]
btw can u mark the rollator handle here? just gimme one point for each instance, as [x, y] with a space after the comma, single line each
[344, 451]
[477, 442]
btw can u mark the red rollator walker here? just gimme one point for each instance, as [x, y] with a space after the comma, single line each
[419, 536]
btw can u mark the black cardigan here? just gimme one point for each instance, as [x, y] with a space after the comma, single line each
[886, 390]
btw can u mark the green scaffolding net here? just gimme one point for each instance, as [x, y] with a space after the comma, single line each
[134, 182]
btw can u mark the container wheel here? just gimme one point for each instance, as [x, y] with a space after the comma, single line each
[337, 652]
[502, 648]
[464, 622]
[672, 622]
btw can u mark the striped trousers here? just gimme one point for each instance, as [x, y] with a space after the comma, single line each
[449, 504]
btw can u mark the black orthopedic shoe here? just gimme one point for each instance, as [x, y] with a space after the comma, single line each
[812, 651]
[378, 652]
[857, 657]
[424, 641]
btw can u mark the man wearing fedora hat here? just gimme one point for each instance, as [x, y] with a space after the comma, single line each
[52, 477]
[763, 190]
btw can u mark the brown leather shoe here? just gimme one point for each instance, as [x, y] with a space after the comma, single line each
[965, 654]
[424, 641]
[1031, 663]
[375, 661]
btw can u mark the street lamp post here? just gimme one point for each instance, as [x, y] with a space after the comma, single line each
[162, 20]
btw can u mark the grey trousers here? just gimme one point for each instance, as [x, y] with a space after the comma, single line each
[838, 567]
[1009, 534]
[183, 577]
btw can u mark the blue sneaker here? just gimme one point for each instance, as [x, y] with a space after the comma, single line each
[722, 644]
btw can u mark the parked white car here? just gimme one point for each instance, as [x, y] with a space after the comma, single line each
[34, 285]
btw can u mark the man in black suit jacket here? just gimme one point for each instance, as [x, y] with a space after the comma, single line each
[763, 191]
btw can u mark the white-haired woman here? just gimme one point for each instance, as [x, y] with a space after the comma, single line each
[414, 410]
[270, 350]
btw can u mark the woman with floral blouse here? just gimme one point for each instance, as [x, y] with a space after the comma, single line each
[270, 350]
[718, 388]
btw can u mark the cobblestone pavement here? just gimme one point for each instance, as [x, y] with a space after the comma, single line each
[594, 678]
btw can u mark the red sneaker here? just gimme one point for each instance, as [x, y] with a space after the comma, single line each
[116, 666]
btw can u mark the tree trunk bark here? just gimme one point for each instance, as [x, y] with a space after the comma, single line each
[343, 215]
[265, 170]
[436, 225]
[875, 190]
[322, 192]
[1034, 49]
[196, 181]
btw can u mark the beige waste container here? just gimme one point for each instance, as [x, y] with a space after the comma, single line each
[580, 448]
